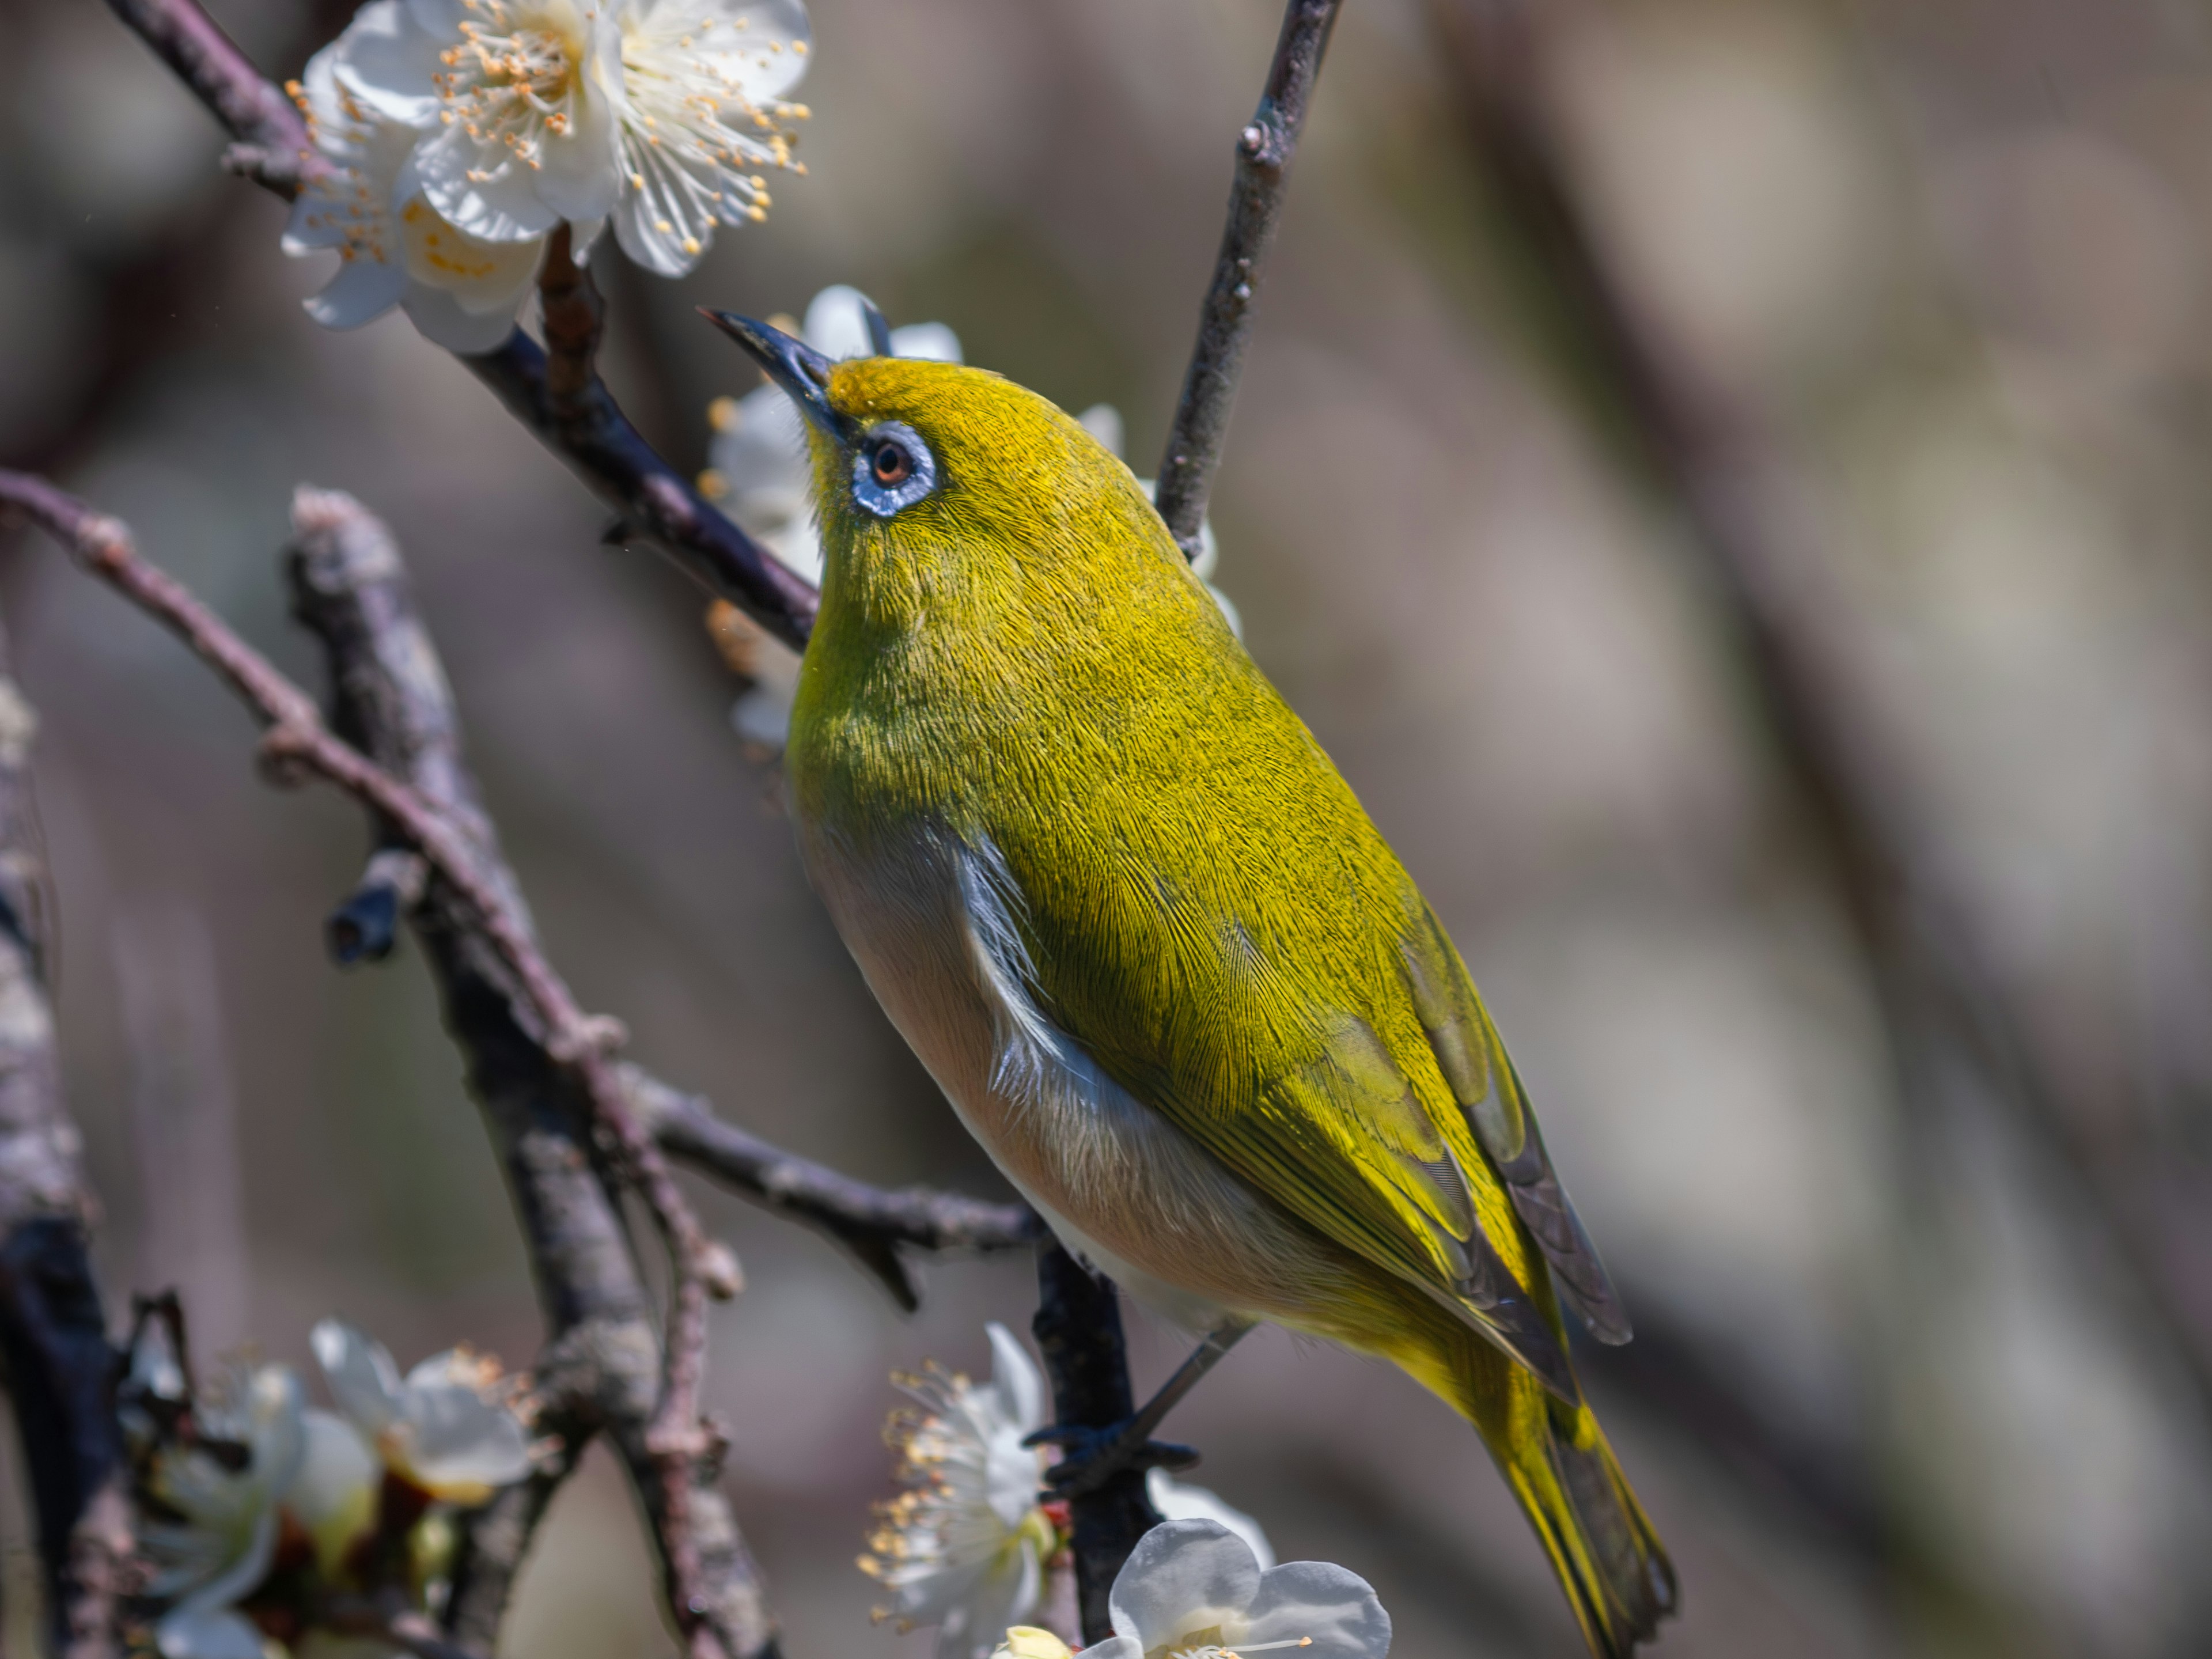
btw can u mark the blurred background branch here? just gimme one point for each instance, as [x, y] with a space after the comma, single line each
[59, 1365]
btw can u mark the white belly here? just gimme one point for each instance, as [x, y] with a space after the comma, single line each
[1120, 1186]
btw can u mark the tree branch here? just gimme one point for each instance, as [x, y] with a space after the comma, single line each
[871, 1222]
[60, 1366]
[673, 1445]
[1264, 151]
[1078, 1331]
[1931, 971]
[563, 402]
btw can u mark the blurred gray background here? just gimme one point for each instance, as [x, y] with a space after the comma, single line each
[1953, 260]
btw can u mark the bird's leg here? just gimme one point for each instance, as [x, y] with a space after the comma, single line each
[1094, 1456]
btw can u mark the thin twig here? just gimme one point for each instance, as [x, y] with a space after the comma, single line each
[1264, 151]
[1934, 976]
[59, 1366]
[295, 741]
[870, 1222]
[579, 423]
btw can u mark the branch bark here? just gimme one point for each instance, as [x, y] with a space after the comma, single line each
[60, 1368]
[1264, 151]
[577, 419]
[869, 1222]
[1935, 978]
[1078, 1331]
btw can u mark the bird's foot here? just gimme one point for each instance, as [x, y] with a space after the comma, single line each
[1091, 1457]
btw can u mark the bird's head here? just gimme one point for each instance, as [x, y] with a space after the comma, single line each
[950, 492]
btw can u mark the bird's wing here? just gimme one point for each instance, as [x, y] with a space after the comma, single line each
[1373, 1101]
[1488, 1092]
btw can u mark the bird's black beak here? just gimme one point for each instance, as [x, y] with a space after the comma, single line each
[801, 371]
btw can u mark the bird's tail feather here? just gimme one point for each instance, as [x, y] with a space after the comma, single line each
[1609, 1559]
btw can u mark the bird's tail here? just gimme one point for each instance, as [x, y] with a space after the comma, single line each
[1609, 1559]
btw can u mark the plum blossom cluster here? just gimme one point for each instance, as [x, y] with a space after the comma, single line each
[255, 1507]
[457, 135]
[966, 1545]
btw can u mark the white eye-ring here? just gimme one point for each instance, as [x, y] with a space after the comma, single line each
[892, 469]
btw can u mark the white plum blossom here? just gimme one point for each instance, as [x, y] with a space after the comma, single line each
[394, 249]
[963, 1547]
[211, 1544]
[1191, 1589]
[659, 114]
[440, 1427]
[1177, 1500]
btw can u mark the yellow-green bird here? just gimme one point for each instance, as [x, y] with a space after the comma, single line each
[1145, 937]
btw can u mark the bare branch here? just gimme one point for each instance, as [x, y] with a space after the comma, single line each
[866, 1220]
[297, 742]
[59, 1366]
[1078, 1331]
[273, 146]
[577, 419]
[1264, 151]
[1932, 972]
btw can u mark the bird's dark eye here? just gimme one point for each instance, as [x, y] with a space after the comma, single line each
[891, 466]
[892, 469]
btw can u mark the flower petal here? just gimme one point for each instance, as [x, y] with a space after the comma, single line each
[1177, 1502]
[837, 322]
[580, 176]
[750, 64]
[932, 342]
[362, 1378]
[191, 1632]
[1183, 1576]
[389, 62]
[1021, 1390]
[333, 1493]
[476, 186]
[364, 289]
[1326, 1604]
[456, 1443]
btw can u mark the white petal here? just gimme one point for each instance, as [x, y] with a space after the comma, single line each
[457, 1441]
[334, 1492]
[502, 205]
[1177, 1502]
[1104, 422]
[362, 1378]
[581, 175]
[439, 319]
[837, 322]
[1114, 1647]
[757, 72]
[201, 1633]
[1006, 1594]
[363, 290]
[644, 231]
[386, 60]
[762, 716]
[1182, 1575]
[1021, 1390]
[1328, 1606]
[583, 236]
[483, 276]
[932, 342]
